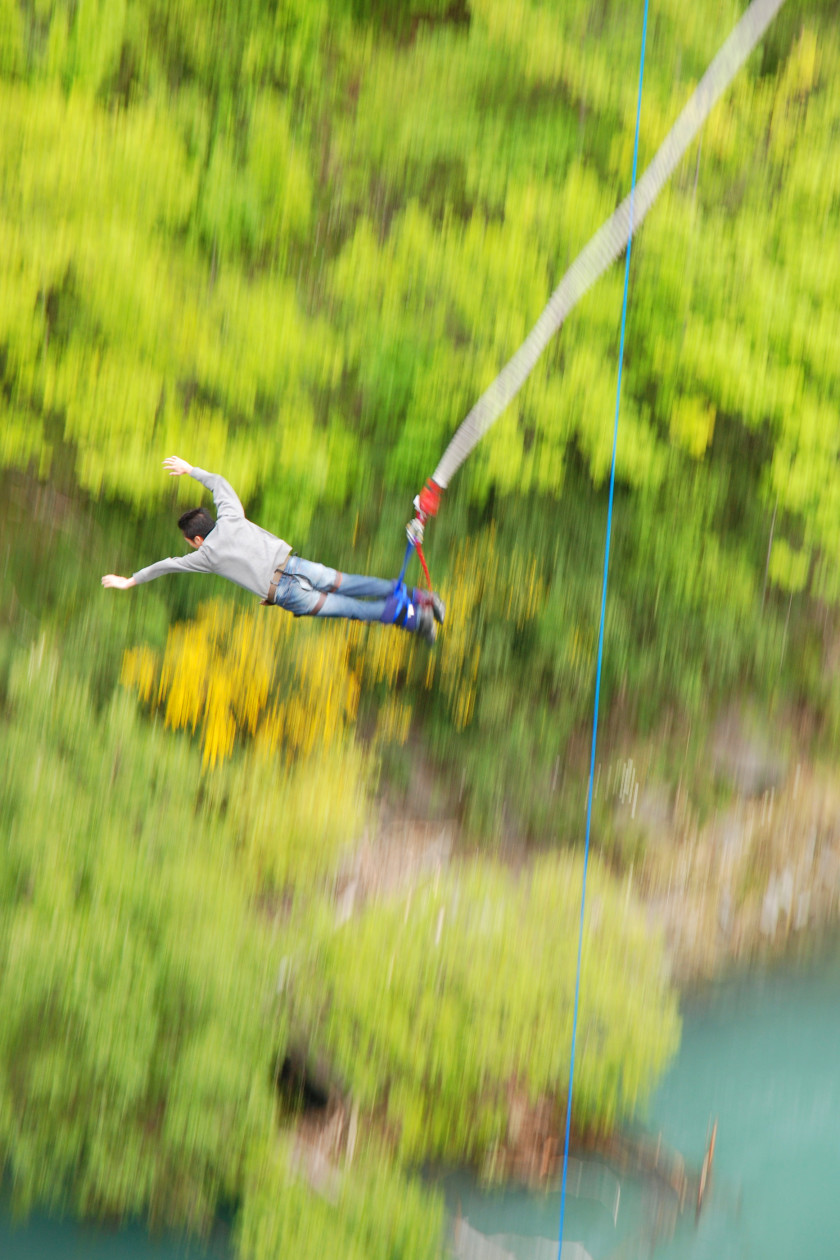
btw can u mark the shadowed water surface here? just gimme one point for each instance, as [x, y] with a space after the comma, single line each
[41, 1239]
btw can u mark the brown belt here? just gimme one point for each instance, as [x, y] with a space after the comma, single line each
[275, 581]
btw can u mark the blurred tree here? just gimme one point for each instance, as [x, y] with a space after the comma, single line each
[135, 1048]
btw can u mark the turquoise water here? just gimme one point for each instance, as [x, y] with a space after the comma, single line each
[761, 1053]
[42, 1239]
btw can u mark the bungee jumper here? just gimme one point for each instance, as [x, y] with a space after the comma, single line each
[235, 548]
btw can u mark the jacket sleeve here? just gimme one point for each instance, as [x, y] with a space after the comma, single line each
[224, 496]
[196, 563]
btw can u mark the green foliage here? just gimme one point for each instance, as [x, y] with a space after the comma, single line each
[279, 173]
[188, 189]
[95, 38]
[136, 1042]
[139, 971]
[253, 208]
[11, 39]
[435, 1006]
[377, 1212]
[295, 241]
[788, 568]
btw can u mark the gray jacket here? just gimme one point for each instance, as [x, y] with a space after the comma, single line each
[235, 548]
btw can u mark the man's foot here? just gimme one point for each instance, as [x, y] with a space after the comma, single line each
[424, 624]
[432, 600]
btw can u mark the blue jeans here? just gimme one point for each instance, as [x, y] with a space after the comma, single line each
[314, 590]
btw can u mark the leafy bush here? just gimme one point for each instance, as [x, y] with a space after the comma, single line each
[433, 1007]
[136, 1041]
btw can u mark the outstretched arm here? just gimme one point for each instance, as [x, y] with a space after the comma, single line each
[227, 504]
[177, 467]
[224, 495]
[195, 563]
[112, 581]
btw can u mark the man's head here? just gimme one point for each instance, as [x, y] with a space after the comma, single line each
[195, 525]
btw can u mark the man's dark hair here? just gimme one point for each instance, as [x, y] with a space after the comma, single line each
[196, 523]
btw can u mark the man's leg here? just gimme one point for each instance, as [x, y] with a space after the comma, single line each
[297, 593]
[361, 586]
[357, 585]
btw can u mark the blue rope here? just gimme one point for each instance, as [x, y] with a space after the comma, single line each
[408, 551]
[600, 648]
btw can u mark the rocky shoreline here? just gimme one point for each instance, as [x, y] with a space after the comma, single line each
[757, 878]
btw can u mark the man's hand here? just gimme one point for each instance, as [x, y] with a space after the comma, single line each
[118, 583]
[177, 467]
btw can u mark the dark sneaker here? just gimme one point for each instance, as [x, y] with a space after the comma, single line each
[430, 599]
[425, 624]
